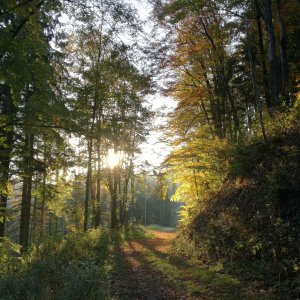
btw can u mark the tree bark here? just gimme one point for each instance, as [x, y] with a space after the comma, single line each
[262, 54]
[43, 202]
[88, 186]
[123, 216]
[33, 222]
[97, 220]
[50, 223]
[114, 190]
[254, 85]
[89, 171]
[223, 77]
[214, 107]
[26, 192]
[272, 58]
[132, 188]
[6, 146]
[283, 53]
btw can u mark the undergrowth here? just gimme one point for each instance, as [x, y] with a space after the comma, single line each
[250, 223]
[76, 267]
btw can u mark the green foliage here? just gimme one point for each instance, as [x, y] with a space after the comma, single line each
[153, 202]
[78, 266]
[197, 166]
[73, 267]
[9, 255]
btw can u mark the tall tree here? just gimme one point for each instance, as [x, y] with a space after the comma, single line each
[8, 114]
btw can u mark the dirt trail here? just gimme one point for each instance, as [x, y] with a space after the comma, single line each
[135, 277]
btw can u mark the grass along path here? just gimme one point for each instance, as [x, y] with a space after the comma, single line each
[146, 269]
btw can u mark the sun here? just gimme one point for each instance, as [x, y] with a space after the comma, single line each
[113, 158]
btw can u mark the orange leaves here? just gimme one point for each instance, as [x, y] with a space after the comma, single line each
[189, 43]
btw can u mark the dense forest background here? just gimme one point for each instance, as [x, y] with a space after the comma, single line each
[73, 113]
[75, 80]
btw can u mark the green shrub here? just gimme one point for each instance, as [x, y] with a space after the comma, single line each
[74, 267]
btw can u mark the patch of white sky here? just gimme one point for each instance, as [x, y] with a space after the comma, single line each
[154, 150]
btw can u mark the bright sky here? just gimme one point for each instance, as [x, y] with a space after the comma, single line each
[154, 150]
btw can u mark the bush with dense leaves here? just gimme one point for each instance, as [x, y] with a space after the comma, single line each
[73, 268]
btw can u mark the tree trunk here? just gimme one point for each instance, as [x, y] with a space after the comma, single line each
[98, 202]
[88, 186]
[123, 217]
[98, 189]
[93, 196]
[262, 55]
[283, 53]
[214, 107]
[89, 171]
[43, 204]
[26, 192]
[236, 122]
[221, 68]
[132, 189]
[254, 85]
[3, 194]
[272, 58]
[50, 223]
[6, 146]
[114, 218]
[33, 223]
[56, 225]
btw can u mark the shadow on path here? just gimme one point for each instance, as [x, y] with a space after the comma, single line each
[134, 277]
[147, 270]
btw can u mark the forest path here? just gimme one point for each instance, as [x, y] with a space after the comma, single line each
[138, 270]
[146, 268]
